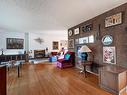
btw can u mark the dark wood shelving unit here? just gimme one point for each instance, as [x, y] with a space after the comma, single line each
[4, 58]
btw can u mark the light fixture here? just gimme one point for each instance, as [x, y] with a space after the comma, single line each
[85, 49]
[84, 57]
[39, 40]
[84, 53]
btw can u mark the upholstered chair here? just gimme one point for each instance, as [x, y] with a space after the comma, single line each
[67, 61]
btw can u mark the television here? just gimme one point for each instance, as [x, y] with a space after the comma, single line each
[14, 43]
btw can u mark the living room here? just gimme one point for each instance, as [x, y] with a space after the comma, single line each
[37, 30]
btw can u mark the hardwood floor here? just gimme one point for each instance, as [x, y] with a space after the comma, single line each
[46, 79]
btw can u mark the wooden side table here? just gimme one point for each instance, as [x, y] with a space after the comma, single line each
[86, 63]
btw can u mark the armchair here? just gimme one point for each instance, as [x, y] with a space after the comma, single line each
[67, 61]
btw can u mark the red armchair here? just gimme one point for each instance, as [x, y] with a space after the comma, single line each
[67, 61]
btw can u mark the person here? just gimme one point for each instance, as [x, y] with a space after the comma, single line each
[62, 51]
[46, 52]
[79, 53]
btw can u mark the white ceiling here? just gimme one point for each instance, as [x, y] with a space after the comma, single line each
[44, 15]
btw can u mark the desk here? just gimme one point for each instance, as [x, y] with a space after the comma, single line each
[86, 63]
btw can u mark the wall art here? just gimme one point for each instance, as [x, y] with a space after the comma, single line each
[14, 43]
[55, 45]
[109, 55]
[87, 28]
[76, 41]
[70, 33]
[113, 20]
[107, 40]
[83, 40]
[76, 31]
[91, 39]
[63, 43]
[71, 43]
[39, 40]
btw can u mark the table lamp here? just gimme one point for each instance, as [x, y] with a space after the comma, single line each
[84, 50]
[84, 55]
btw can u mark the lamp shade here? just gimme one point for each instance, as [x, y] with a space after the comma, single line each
[85, 49]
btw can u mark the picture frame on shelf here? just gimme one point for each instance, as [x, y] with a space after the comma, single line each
[76, 31]
[113, 20]
[71, 43]
[109, 55]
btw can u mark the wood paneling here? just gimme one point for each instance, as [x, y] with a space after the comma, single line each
[118, 32]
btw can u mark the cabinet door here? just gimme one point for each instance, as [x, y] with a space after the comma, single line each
[109, 80]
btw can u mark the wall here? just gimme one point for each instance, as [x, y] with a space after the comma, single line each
[118, 32]
[29, 40]
[5, 34]
[48, 38]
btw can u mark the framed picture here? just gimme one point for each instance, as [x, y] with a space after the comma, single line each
[109, 55]
[91, 39]
[107, 40]
[83, 40]
[87, 28]
[70, 33]
[71, 43]
[76, 41]
[63, 43]
[113, 20]
[14, 43]
[55, 45]
[76, 31]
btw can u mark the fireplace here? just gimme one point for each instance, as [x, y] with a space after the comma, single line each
[39, 53]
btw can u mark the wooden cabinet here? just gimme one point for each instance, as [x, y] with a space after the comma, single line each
[113, 79]
[2, 80]
[4, 58]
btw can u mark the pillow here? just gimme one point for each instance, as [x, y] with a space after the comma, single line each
[67, 56]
